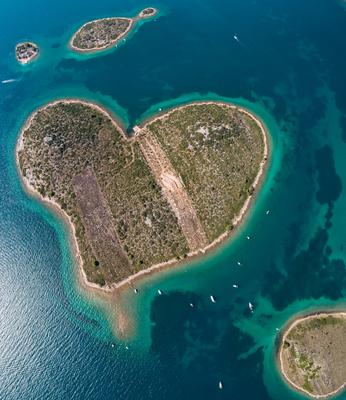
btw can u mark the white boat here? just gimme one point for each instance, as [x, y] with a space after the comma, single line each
[126, 347]
[159, 291]
[192, 305]
[267, 212]
[220, 385]
[212, 298]
[235, 286]
[8, 81]
[135, 290]
[248, 237]
[251, 307]
[235, 37]
[239, 263]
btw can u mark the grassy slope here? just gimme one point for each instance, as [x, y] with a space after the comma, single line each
[217, 152]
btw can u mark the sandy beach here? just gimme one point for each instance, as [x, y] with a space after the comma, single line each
[111, 293]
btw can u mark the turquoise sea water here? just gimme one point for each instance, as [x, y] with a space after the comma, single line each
[289, 68]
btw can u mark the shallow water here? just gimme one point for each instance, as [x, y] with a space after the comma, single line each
[289, 69]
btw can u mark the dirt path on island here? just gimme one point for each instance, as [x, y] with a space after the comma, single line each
[99, 225]
[174, 191]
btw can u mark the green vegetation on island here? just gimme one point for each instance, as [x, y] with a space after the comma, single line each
[312, 354]
[217, 151]
[103, 33]
[26, 52]
[162, 195]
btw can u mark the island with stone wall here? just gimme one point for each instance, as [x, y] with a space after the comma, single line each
[173, 189]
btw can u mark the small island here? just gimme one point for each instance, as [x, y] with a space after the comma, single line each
[105, 33]
[312, 354]
[26, 52]
[175, 188]
[148, 12]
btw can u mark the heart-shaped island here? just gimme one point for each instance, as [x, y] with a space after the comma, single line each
[174, 188]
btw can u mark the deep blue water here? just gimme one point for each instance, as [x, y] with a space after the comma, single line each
[289, 68]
